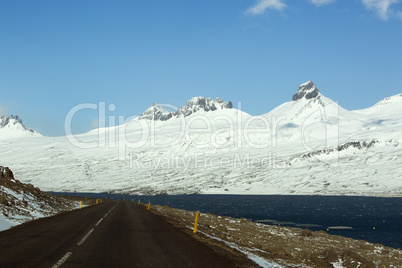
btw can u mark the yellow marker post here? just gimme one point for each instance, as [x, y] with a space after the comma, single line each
[139, 202]
[149, 204]
[197, 215]
[80, 204]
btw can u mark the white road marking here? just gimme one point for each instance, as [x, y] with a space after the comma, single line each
[99, 221]
[62, 260]
[85, 237]
[68, 254]
[104, 216]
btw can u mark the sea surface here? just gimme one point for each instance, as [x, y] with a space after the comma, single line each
[374, 219]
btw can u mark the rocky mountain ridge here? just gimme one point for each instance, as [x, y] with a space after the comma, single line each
[308, 145]
[158, 113]
[307, 90]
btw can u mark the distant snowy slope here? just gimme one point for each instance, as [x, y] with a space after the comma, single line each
[12, 127]
[309, 145]
[386, 108]
[393, 102]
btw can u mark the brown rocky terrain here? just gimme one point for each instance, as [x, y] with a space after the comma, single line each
[21, 202]
[285, 246]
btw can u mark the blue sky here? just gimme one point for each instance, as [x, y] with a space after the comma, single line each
[57, 54]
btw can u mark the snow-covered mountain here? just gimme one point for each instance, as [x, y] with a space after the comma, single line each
[309, 145]
[306, 91]
[158, 113]
[203, 104]
[12, 126]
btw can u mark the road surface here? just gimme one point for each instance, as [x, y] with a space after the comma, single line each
[111, 234]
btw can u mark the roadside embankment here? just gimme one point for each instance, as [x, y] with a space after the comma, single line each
[20, 202]
[285, 246]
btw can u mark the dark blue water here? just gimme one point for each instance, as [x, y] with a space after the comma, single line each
[377, 220]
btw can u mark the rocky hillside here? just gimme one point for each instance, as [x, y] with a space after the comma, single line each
[21, 202]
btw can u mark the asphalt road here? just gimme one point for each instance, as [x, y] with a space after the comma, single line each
[111, 234]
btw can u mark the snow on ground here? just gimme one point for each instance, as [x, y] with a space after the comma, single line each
[6, 223]
[308, 146]
[21, 203]
[255, 258]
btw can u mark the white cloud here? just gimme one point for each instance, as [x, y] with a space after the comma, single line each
[382, 7]
[3, 110]
[261, 5]
[321, 2]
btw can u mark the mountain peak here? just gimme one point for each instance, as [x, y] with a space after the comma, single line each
[201, 103]
[307, 90]
[11, 120]
[158, 113]
[13, 126]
